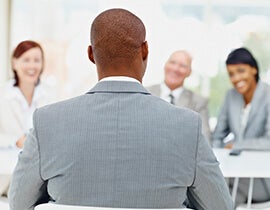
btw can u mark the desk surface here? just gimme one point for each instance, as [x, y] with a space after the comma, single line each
[248, 164]
[8, 160]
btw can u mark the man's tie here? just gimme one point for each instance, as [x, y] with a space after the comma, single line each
[171, 98]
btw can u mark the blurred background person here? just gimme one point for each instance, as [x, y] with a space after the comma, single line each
[23, 94]
[20, 97]
[246, 115]
[176, 70]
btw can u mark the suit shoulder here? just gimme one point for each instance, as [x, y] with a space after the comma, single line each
[153, 86]
[232, 93]
[196, 96]
[263, 90]
[160, 105]
[154, 89]
[265, 86]
[61, 105]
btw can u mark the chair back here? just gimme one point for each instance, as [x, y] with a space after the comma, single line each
[50, 206]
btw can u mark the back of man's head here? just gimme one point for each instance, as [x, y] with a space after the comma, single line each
[116, 36]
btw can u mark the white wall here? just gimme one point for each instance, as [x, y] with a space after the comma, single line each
[4, 40]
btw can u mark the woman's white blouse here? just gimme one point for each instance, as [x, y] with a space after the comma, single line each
[15, 112]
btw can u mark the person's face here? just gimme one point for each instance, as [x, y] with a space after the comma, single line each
[242, 77]
[29, 66]
[176, 69]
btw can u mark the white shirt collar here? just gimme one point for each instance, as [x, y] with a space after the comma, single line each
[119, 78]
[27, 110]
[165, 92]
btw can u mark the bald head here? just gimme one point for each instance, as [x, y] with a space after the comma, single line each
[185, 54]
[116, 37]
[177, 69]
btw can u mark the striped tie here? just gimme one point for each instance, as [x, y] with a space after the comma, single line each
[171, 98]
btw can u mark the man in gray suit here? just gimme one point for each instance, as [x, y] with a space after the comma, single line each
[117, 145]
[177, 68]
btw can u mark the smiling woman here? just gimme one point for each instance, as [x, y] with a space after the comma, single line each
[22, 95]
[27, 65]
[243, 72]
[246, 109]
[246, 115]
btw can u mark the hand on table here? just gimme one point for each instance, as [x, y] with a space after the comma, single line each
[20, 141]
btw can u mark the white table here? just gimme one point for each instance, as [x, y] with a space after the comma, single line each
[249, 164]
[4, 205]
[8, 160]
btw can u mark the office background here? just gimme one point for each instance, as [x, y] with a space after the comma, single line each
[209, 29]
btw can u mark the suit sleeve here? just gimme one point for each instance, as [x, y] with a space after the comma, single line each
[27, 186]
[209, 190]
[222, 128]
[261, 142]
[203, 111]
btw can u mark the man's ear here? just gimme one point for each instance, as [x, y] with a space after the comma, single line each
[144, 50]
[90, 54]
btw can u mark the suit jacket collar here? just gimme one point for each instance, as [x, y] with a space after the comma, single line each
[165, 91]
[184, 98]
[256, 101]
[236, 117]
[255, 105]
[156, 90]
[118, 87]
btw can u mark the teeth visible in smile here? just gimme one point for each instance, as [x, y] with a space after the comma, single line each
[240, 84]
[31, 72]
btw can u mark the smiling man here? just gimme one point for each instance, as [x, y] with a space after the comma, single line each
[176, 70]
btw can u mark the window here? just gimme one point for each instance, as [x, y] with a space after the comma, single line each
[208, 29]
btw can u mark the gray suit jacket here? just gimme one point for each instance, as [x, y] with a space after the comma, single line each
[118, 146]
[192, 101]
[257, 131]
[256, 135]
